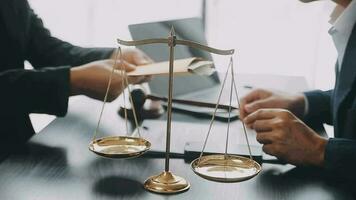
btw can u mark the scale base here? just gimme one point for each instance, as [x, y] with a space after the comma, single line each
[166, 183]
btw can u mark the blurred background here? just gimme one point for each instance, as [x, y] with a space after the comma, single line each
[270, 36]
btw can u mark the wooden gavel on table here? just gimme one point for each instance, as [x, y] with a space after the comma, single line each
[139, 99]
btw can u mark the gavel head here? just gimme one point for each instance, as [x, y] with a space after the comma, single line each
[154, 110]
[139, 98]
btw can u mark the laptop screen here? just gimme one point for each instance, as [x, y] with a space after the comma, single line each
[188, 29]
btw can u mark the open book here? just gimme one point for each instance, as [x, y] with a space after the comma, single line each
[188, 65]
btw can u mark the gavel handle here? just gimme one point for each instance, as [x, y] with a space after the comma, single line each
[189, 102]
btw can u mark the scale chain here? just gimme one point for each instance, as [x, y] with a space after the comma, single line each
[105, 97]
[125, 80]
[229, 119]
[238, 104]
[216, 108]
[133, 110]
[123, 73]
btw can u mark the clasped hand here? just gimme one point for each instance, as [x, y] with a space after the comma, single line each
[273, 116]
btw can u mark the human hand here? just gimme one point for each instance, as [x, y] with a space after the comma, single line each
[132, 56]
[285, 136]
[261, 98]
[92, 79]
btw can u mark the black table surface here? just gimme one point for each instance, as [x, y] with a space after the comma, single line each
[56, 164]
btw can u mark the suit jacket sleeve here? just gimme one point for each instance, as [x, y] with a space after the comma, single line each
[43, 50]
[340, 154]
[320, 107]
[45, 89]
[35, 91]
[340, 158]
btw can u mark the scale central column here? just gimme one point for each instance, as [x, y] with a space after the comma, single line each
[171, 44]
[167, 182]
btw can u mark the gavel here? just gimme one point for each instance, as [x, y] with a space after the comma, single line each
[139, 99]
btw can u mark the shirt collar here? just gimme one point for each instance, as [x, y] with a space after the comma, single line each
[344, 23]
[342, 28]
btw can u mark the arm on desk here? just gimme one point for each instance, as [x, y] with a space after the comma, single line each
[261, 98]
[340, 158]
[319, 107]
[35, 91]
[46, 89]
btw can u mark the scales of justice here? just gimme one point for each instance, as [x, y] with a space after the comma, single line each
[217, 167]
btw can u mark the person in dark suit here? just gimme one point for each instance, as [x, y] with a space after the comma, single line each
[281, 120]
[60, 70]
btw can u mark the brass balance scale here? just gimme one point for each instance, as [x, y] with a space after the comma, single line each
[219, 167]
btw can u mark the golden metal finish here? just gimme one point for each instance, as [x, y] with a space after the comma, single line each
[205, 48]
[225, 168]
[143, 42]
[119, 146]
[177, 42]
[167, 183]
[171, 43]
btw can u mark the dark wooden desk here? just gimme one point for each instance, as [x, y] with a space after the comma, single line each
[56, 164]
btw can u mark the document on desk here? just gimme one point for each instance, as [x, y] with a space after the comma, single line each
[181, 66]
[183, 132]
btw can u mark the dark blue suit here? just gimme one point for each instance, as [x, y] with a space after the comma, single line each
[338, 107]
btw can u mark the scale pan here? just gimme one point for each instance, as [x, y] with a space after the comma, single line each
[229, 168]
[119, 146]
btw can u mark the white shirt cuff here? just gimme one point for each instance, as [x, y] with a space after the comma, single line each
[306, 105]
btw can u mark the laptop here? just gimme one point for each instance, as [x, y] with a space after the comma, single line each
[189, 87]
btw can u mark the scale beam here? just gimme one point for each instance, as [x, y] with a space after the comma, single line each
[177, 42]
